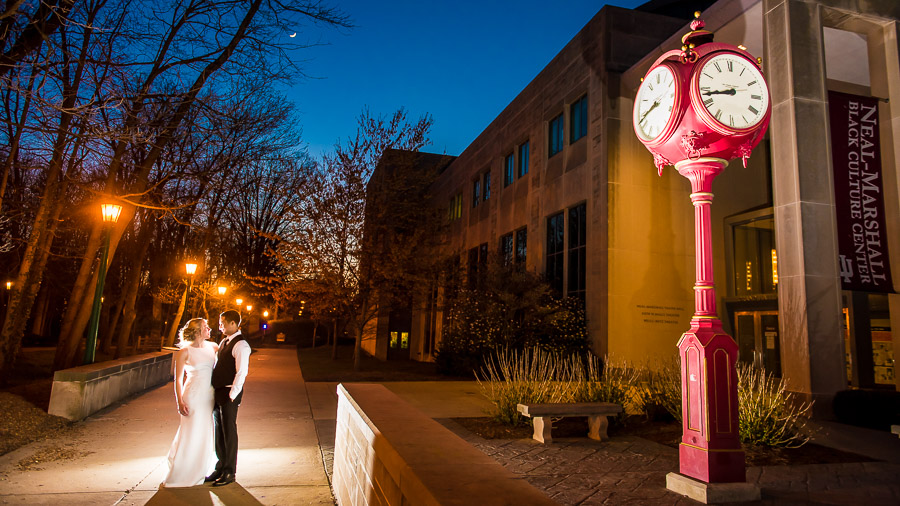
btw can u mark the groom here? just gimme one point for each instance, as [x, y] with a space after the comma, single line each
[228, 378]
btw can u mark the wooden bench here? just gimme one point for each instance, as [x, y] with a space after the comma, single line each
[596, 413]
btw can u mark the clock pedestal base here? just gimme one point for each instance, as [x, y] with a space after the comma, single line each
[712, 493]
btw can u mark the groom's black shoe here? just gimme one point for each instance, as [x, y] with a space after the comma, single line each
[213, 477]
[225, 479]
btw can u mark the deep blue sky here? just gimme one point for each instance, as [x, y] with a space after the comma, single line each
[461, 61]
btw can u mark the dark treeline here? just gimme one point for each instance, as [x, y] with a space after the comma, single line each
[170, 109]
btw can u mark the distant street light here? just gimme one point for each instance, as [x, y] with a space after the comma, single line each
[265, 314]
[222, 290]
[9, 285]
[190, 269]
[249, 308]
[239, 301]
[110, 213]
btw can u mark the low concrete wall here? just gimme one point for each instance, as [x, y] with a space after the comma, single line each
[386, 452]
[81, 391]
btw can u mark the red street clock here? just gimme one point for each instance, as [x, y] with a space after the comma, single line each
[706, 100]
[696, 109]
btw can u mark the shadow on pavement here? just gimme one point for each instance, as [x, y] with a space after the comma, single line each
[229, 495]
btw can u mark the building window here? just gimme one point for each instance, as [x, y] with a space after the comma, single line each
[755, 261]
[473, 267]
[556, 135]
[487, 185]
[523, 159]
[506, 249]
[508, 170]
[521, 245]
[455, 211]
[476, 192]
[555, 249]
[577, 251]
[579, 119]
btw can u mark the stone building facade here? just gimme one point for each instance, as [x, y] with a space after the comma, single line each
[576, 165]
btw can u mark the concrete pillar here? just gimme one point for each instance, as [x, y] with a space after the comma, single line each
[809, 290]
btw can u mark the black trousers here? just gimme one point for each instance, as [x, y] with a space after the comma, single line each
[225, 419]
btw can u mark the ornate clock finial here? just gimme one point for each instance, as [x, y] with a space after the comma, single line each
[697, 35]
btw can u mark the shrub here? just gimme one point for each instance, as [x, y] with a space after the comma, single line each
[513, 377]
[658, 396]
[769, 415]
[509, 308]
[597, 381]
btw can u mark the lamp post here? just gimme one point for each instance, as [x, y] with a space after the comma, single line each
[110, 213]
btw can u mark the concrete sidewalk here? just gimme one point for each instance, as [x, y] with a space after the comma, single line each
[118, 455]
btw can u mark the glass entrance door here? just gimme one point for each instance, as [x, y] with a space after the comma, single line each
[756, 333]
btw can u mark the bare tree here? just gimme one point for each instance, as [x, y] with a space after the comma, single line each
[115, 113]
[331, 225]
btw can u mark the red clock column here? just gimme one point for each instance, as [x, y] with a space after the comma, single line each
[719, 112]
[710, 448]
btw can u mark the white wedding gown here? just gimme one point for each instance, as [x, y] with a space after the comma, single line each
[193, 453]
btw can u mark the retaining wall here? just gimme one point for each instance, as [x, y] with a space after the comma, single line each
[81, 391]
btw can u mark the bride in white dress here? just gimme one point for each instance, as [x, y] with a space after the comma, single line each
[192, 455]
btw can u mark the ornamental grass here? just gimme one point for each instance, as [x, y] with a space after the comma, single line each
[512, 377]
[769, 415]
[658, 395]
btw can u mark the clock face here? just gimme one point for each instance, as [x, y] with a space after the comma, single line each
[654, 104]
[729, 92]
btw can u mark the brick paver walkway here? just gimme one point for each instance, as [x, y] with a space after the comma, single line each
[632, 470]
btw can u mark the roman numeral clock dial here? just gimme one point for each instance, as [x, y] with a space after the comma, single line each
[729, 93]
[655, 104]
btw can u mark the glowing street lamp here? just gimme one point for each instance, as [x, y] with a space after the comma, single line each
[222, 290]
[110, 213]
[239, 301]
[9, 285]
[249, 308]
[265, 314]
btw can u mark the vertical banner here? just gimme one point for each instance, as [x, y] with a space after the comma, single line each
[859, 198]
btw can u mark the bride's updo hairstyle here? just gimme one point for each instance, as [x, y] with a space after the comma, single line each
[190, 332]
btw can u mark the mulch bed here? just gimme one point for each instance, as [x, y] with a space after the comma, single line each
[667, 433]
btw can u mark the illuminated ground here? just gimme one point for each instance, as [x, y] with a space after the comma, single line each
[118, 456]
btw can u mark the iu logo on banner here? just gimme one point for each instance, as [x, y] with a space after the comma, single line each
[858, 192]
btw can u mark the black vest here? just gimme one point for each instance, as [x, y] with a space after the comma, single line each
[225, 370]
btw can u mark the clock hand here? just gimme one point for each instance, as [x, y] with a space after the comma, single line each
[656, 103]
[730, 91]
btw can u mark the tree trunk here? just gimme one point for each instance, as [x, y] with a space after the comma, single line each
[131, 287]
[112, 310]
[176, 320]
[334, 341]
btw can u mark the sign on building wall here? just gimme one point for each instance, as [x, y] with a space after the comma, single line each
[858, 191]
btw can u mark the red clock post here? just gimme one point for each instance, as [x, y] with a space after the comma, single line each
[697, 108]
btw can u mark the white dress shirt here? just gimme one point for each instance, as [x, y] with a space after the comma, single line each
[241, 354]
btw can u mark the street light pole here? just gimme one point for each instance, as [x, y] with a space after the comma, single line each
[191, 269]
[110, 217]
